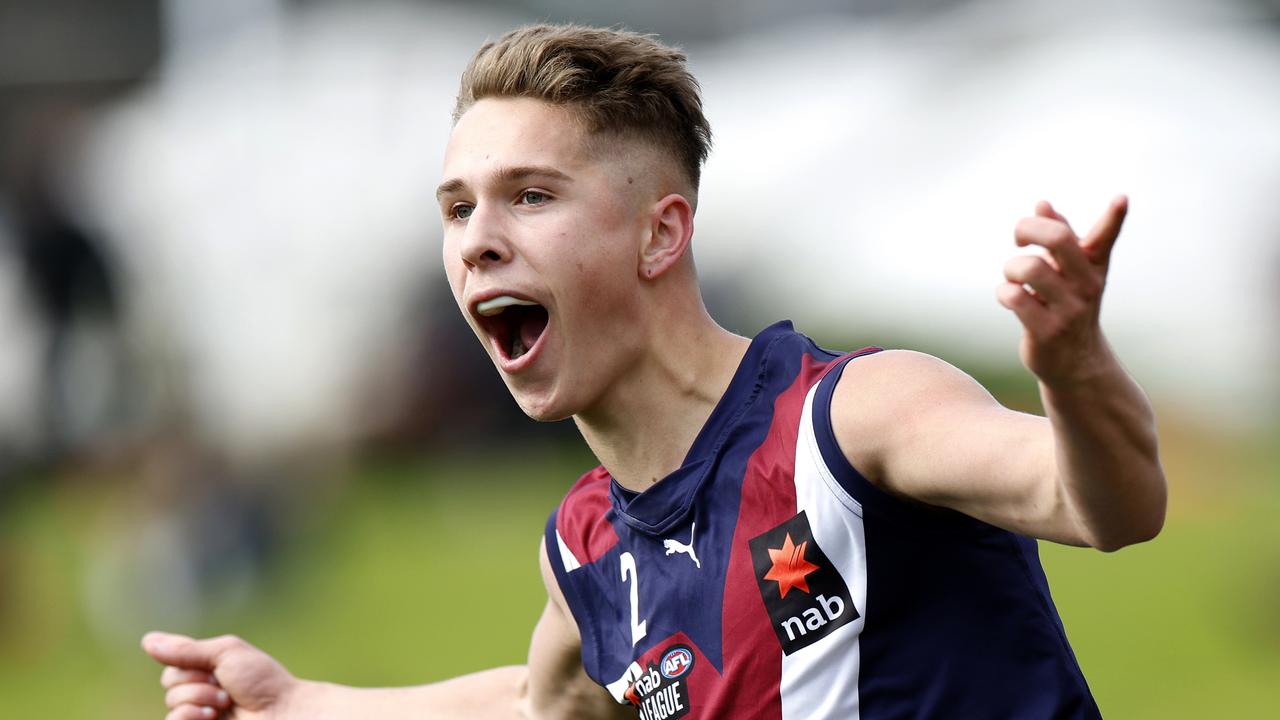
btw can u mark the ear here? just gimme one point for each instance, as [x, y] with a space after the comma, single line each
[670, 230]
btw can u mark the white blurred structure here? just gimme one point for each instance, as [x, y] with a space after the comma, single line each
[273, 193]
[884, 166]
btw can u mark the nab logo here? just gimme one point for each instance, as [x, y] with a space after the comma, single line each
[804, 594]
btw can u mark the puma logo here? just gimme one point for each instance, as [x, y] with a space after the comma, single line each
[675, 546]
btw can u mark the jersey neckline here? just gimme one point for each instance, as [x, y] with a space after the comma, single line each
[666, 503]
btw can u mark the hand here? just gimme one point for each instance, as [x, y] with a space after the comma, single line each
[1058, 295]
[221, 675]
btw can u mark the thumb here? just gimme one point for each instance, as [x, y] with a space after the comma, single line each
[185, 652]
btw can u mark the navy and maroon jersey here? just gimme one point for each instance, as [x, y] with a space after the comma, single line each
[766, 578]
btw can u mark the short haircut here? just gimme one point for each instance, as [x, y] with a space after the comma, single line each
[615, 81]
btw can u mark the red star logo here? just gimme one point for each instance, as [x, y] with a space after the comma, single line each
[789, 566]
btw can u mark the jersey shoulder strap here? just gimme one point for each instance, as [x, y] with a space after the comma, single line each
[578, 531]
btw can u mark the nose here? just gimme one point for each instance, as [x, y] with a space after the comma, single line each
[484, 239]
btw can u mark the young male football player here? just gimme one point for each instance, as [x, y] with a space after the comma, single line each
[775, 530]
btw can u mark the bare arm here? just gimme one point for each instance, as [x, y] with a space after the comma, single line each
[1088, 474]
[230, 675]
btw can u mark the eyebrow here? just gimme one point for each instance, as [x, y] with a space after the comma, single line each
[504, 175]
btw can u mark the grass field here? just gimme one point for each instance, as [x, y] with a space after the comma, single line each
[424, 570]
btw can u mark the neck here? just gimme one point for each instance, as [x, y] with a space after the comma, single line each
[643, 428]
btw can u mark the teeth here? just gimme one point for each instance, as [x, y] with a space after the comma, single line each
[496, 305]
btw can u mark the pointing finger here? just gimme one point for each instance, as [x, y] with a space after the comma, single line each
[1102, 237]
[184, 652]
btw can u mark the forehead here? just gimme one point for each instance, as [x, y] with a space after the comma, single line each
[505, 132]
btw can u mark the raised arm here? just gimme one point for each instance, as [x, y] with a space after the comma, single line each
[226, 674]
[1088, 474]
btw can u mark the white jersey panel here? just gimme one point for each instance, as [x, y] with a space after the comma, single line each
[821, 680]
[566, 555]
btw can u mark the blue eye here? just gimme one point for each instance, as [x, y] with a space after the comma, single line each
[533, 197]
[461, 212]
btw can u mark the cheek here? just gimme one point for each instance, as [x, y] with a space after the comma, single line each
[607, 293]
[595, 263]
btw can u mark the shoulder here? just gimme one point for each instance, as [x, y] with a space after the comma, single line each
[898, 379]
[579, 528]
[882, 399]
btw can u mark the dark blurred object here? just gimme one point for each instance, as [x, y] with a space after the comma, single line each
[75, 44]
[66, 266]
[69, 53]
[70, 280]
[59, 60]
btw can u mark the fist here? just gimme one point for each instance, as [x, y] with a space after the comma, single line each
[1057, 294]
[223, 676]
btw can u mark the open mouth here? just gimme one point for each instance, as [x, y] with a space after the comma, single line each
[514, 324]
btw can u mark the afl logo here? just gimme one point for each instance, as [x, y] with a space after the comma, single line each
[676, 662]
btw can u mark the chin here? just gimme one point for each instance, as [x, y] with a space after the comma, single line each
[540, 407]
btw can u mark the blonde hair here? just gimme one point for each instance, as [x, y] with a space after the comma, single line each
[615, 81]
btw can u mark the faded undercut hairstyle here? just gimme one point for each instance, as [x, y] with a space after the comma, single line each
[615, 81]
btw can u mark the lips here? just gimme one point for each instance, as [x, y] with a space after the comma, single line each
[513, 324]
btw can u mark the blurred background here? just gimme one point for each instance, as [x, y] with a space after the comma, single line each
[235, 395]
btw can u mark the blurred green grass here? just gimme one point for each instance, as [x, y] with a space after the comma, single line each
[423, 570]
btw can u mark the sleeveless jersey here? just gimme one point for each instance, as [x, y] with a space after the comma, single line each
[767, 578]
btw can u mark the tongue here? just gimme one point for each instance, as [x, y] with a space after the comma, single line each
[531, 328]
[526, 325]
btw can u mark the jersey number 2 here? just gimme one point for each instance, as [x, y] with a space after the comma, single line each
[638, 628]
